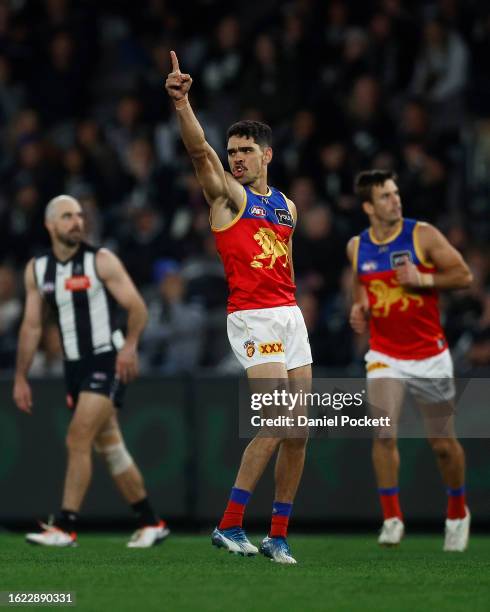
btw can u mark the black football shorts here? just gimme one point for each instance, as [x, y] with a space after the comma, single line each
[94, 374]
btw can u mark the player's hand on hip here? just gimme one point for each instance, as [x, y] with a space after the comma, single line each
[359, 316]
[22, 395]
[127, 367]
[407, 274]
[177, 84]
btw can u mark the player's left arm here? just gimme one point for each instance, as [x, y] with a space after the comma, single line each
[117, 281]
[294, 212]
[451, 271]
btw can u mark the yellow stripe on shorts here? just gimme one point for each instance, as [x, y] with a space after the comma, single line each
[376, 365]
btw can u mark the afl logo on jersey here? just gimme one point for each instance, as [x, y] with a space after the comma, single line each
[48, 288]
[284, 217]
[77, 283]
[257, 211]
[369, 266]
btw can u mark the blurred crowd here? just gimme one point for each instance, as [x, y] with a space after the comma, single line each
[346, 86]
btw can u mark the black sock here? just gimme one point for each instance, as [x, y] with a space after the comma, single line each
[144, 513]
[67, 520]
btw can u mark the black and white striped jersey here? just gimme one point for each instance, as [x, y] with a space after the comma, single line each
[84, 309]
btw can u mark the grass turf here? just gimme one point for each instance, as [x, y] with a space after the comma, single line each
[338, 573]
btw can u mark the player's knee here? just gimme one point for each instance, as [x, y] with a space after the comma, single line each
[386, 444]
[266, 442]
[116, 456]
[295, 444]
[443, 447]
[78, 440]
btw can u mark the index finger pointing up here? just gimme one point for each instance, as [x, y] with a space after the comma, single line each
[175, 62]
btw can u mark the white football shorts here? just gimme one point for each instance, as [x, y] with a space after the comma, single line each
[430, 380]
[269, 335]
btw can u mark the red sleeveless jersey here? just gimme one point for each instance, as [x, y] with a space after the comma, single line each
[255, 254]
[404, 323]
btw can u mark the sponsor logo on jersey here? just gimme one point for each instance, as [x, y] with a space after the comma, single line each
[284, 217]
[77, 283]
[369, 266]
[257, 211]
[48, 288]
[387, 295]
[249, 347]
[397, 258]
[99, 376]
[271, 348]
[273, 248]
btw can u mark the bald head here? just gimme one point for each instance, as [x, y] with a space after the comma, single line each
[54, 207]
[63, 218]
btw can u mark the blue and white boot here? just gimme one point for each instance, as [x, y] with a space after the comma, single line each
[277, 549]
[234, 540]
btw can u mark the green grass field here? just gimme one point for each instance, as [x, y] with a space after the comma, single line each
[338, 573]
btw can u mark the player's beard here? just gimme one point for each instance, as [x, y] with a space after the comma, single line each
[70, 239]
[248, 178]
[391, 219]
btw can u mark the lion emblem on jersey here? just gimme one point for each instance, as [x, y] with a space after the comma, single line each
[389, 295]
[273, 248]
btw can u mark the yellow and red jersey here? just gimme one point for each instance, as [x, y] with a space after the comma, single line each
[255, 253]
[404, 323]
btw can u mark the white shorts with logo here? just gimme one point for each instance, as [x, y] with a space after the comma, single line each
[431, 379]
[269, 335]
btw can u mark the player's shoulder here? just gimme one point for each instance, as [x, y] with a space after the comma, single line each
[36, 264]
[87, 247]
[237, 193]
[289, 203]
[355, 240]
[353, 246]
[417, 224]
[103, 254]
[424, 230]
[106, 262]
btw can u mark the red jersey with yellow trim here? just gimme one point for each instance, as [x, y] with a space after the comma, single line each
[404, 323]
[255, 253]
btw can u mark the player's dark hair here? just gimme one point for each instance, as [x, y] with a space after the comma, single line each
[366, 180]
[260, 132]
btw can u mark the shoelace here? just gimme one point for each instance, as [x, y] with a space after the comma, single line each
[237, 534]
[282, 546]
[49, 526]
[138, 532]
[136, 535]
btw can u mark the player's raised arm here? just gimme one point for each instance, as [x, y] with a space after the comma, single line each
[117, 281]
[29, 337]
[218, 186]
[451, 270]
[359, 313]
